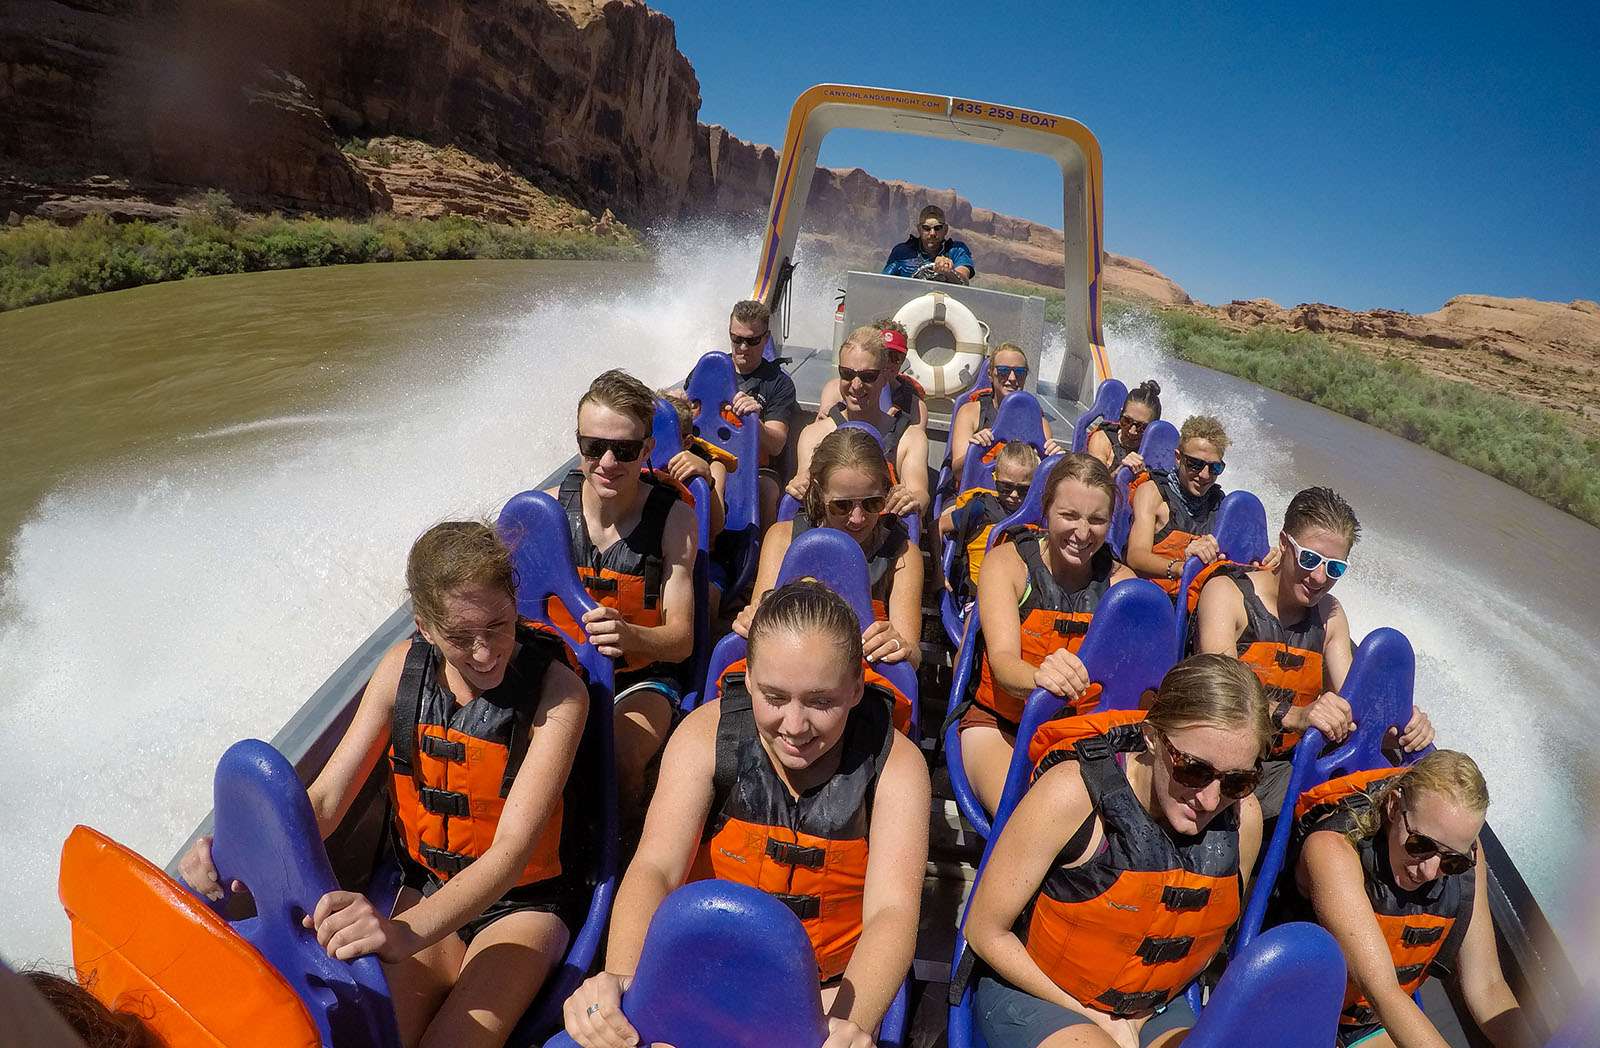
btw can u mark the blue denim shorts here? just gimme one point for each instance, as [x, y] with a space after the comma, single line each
[1010, 1018]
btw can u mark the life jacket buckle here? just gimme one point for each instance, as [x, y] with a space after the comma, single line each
[1408, 973]
[599, 584]
[1156, 950]
[447, 862]
[445, 749]
[1094, 748]
[1411, 935]
[1176, 898]
[1132, 1005]
[1070, 627]
[1289, 660]
[805, 907]
[444, 802]
[790, 854]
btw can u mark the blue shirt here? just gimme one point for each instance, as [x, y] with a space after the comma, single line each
[907, 257]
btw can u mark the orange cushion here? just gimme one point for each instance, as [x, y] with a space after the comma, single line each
[142, 943]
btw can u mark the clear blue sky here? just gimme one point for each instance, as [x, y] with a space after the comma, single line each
[1356, 155]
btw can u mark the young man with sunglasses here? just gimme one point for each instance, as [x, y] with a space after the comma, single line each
[1286, 624]
[1173, 511]
[633, 543]
[929, 249]
[863, 370]
[1388, 861]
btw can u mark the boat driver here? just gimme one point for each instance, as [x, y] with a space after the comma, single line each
[633, 543]
[929, 246]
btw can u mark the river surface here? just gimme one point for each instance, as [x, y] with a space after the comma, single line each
[210, 486]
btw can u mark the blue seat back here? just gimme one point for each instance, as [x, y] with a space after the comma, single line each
[1240, 529]
[1379, 689]
[534, 526]
[1284, 991]
[1159, 449]
[711, 388]
[668, 443]
[266, 836]
[1020, 418]
[723, 964]
[1108, 401]
[835, 560]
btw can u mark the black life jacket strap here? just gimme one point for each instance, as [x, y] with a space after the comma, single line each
[657, 508]
[408, 707]
[805, 907]
[790, 854]
[1132, 1005]
[447, 862]
[570, 495]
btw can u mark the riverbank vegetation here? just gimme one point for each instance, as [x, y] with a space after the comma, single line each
[43, 262]
[1525, 445]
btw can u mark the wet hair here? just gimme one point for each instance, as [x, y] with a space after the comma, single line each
[751, 312]
[1008, 347]
[1085, 469]
[1147, 393]
[1204, 427]
[452, 555]
[1217, 691]
[98, 1025]
[680, 403]
[624, 394]
[850, 448]
[869, 338]
[807, 607]
[931, 211]
[1445, 773]
[1322, 508]
[1017, 453]
[891, 324]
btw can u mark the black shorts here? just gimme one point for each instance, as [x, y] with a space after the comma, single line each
[1011, 1018]
[560, 895]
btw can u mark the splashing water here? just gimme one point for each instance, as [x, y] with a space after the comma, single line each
[159, 611]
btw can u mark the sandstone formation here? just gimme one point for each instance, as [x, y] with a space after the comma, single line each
[1543, 352]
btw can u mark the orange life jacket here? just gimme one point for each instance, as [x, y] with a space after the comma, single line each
[971, 537]
[453, 763]
[711, 453]
[881, 561]
[627, 575]
[809, 852]
[1182, 526]
[1127, 930]
[900, 702]
[1051, 619]
[1423, 929]
[1287, 659]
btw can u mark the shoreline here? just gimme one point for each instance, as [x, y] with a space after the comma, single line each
[42, 262]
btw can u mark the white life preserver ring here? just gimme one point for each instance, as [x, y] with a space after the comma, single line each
[956, 373]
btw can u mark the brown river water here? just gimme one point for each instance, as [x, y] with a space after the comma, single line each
[209, 488]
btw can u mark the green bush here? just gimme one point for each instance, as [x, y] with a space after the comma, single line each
[1527, 446]
[43, 262]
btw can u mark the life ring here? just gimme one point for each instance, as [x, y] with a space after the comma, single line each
[956, 373]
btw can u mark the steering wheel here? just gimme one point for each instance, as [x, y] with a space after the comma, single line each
[929, 272]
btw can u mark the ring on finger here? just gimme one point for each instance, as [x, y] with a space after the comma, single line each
[595, 1007]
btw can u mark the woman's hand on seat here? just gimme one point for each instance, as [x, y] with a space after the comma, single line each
[842, 1033]
[1134, 461]
[349, 926]
[797, 487]
[1419, 732]
[1052, 446]
[880, 643]
[593, 1014]
[1062, 673]
[982, 439]
[901, 499]
[200, 873]
[741, 622]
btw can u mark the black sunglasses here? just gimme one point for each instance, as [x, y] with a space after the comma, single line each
[622, 450]
[1195, 465]
[747, 340]
[1192, 773]
[849, 375]
[1007, 490]
[1421, 846]
[844, 507]
[1131, 423]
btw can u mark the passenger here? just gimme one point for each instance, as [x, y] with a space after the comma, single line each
[488, 905]
[1123, 866]
[791, 759]
[1389, 864]
[968, 523]
[906, 394]
[698, 459]
[1036, 597]
[862, 372]
[970, 426]
[765, 388]
[929, 253]
[1172, 517]
[846, 490]
[1286, 624]
[633, 543]
[58, 1013]
[1117, 443]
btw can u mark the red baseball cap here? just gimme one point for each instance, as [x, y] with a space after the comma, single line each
[895, 341]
